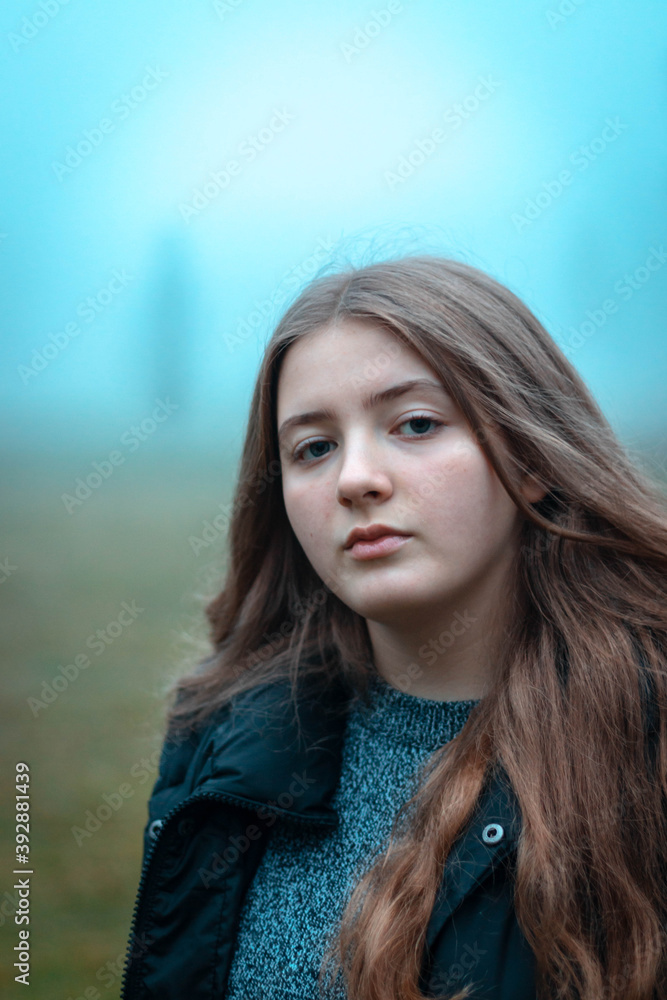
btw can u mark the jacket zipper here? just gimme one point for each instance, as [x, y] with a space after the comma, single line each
[218, 797]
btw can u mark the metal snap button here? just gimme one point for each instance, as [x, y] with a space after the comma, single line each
[155, 828]
[492, 833]
[186, 827]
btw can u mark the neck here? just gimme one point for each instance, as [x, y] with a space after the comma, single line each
[446, 653]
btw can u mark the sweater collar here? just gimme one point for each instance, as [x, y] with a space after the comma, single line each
[263, 755]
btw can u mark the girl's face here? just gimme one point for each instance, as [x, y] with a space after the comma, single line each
[361, 446]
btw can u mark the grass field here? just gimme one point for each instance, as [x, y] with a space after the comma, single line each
[69, 576]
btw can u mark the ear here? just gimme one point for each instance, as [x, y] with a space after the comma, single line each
[532, 489]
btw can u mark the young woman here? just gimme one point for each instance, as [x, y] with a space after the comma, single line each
[428, 754]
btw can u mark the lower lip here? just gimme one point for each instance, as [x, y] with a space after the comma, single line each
[378, 546]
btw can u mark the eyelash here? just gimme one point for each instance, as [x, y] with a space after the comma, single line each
[296, 454]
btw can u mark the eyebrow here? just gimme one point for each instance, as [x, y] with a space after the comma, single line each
[392, 392]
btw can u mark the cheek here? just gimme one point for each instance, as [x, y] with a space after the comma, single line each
[296, 509]
[464, 495]
[308, 514]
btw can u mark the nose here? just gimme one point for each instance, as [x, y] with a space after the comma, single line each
[363, 476]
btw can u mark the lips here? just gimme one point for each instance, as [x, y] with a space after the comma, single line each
[378, 547]
[371, 533]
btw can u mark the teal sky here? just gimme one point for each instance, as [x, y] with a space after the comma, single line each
[173, 173]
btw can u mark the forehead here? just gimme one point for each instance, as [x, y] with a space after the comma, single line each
[344, 360]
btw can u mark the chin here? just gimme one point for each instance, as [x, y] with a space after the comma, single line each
[389, 606]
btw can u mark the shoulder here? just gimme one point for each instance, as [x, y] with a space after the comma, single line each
[182, 757]
[262, 716]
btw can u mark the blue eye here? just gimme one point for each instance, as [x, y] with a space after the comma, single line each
[420, 418]
[309, 444]
[317, 443]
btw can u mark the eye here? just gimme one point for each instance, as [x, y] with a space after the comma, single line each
[420, 419]
[316, 445]
[298, 452]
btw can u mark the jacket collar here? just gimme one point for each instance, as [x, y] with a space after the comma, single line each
[266, 753]
[489, 837]
[262, 754]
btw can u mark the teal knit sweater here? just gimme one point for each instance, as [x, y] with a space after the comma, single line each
[305, 877]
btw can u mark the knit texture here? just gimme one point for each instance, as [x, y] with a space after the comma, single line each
[299, 891]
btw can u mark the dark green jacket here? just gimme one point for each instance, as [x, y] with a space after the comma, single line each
[218, 795]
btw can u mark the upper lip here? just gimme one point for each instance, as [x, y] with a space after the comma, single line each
[371, 532]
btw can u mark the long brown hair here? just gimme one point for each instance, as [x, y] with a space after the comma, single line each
[577, 711]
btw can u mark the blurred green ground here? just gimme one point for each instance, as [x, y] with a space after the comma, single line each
[128, 541]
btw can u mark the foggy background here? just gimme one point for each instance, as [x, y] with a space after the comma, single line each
[172, 175]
